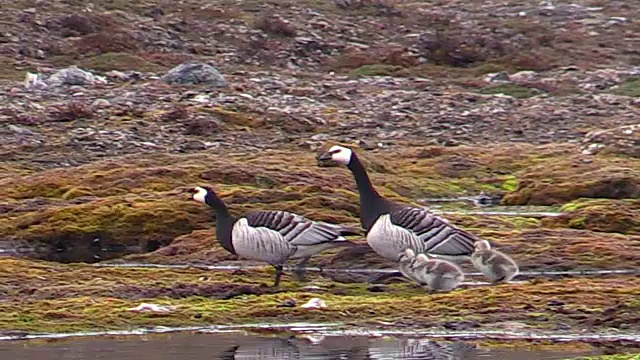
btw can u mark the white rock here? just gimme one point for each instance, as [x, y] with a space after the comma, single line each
[314, 303]
[152, 308]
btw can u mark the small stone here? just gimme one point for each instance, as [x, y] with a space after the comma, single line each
[314, 303]
[377, 288]
[287, 303]
[20, 130]
[499, 77]
[555, 303]
[460, 325]
[101, 103]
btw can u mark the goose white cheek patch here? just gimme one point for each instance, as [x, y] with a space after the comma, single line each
[343, 156]
[200, 195]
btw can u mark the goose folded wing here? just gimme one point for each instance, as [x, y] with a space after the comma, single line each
[437, 234]
[296, 229]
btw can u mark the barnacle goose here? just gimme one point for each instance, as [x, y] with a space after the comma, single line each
[392, 227]
[272, 236]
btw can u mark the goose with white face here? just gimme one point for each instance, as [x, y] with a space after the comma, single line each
[199, 194]
[339, 154]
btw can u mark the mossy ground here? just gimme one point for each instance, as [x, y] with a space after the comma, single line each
[40, 296]
[134, 201]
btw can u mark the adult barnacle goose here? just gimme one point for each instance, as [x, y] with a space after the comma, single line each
[392, 227]
[495, 265]
[271, 236]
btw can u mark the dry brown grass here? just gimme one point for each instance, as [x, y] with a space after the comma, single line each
[274, 24]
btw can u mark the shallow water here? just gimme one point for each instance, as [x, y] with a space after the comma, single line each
[241, 345]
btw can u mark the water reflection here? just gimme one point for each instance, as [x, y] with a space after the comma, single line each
[237, 345]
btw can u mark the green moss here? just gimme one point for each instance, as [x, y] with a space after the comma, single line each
[374, 70]
[629, 88]
[517, 91]
[80, 297]
[510, 183]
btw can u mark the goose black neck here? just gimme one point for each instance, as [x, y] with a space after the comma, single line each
[371, 203]
[365, 187]
[224, 221]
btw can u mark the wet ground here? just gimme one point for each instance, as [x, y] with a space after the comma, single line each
[238, 345]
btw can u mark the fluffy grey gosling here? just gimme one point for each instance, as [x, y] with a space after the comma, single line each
[405, 264]
[495, 265]
[437, 274]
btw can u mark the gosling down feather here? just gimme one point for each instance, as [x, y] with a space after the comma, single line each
[434, 274]
[392, 227]
[495, 265]
[272, 236]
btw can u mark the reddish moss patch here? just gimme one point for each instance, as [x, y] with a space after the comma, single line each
[563, 180]
[617, 216]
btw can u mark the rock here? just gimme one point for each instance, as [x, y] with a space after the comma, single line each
[100, 103]
[20, 130]
[124, 76]
[34, 81]
[523, 76]
[287, 303]
[314, 303]
[75, 76]
[555, 302]
[499, 77]
[195, 73]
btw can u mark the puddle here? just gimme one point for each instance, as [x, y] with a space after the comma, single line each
[526, 274]
[85, 254]
[304, 341]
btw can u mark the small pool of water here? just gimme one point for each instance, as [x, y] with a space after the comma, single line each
[242, 345]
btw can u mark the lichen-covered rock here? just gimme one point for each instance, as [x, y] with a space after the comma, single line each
[195, 73]
[74, 76]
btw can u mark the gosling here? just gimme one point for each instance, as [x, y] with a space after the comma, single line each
[437, 274]
[495, 265]
[406, 261]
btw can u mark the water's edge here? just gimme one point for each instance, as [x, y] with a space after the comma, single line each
[339, 329]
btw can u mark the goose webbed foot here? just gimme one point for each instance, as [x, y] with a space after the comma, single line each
[382, 278]
[300, 272]
[278, 275]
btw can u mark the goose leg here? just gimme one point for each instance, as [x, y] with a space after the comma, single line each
[278, 275]
[300, 272]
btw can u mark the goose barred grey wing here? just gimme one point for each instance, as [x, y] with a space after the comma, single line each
[439, 237]
[296, 229]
